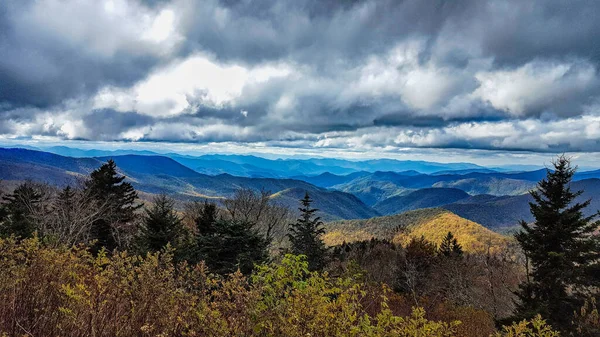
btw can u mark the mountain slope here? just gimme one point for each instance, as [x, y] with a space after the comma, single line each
[506, 211]
[151, 165]
[329, 179]
[21, 164]
[332, 205]
[423, 198]
[490, 185]
[433, 224]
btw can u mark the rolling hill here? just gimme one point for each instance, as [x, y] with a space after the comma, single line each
[329, 179]
[156, 174]
[332, 205]
[490, 185]
[506, 211]
[423, 198]
[432, 223]
[378, 186]
[151, 165]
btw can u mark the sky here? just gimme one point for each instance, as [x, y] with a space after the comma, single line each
[485, 81]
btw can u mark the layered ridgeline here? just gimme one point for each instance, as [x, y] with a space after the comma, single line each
[347, 190]
[504, 212]
[432, 223]
[158, 174]
[253, 166]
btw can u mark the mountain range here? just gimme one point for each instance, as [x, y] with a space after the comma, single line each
[158, 174]
[346, 190]
[255, 166]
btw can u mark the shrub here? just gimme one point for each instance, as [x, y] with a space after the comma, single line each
[63, 291]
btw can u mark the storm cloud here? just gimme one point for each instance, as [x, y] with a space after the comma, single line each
[361, 75]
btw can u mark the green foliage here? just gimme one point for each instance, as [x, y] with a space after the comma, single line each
[561, 247]
[161, 225]
[16, 214]
[450, 247]
[537, 327]
[117, 197]
[305, 236]
[227, 245]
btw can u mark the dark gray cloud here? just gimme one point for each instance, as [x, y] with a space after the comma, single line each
[473, 74]
[43, 62]
[108, 123]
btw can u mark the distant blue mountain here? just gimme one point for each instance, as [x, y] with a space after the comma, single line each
[423, 198]
[152, 165]
[498, 212]
[79, 153]
[158, 174]
[254, 166]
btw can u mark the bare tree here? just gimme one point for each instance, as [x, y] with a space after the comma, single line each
[71, 213]
[258, 207]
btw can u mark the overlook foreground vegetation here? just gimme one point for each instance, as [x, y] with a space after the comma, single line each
[91, 260]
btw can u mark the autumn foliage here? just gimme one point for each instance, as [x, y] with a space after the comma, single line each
[66, 291]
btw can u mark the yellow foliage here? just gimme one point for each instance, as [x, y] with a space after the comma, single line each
[433, 224]
[472, 236]
[537, 327]
[69, 292]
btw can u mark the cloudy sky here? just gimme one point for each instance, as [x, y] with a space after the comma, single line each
[440, 79]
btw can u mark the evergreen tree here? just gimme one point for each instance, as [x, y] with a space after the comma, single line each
[305, 236]
[227, 245]
[561, 249]
[18, 210]
[450, 246]
[117, 198]
[162, 225]
[207, 217]
[65, 201]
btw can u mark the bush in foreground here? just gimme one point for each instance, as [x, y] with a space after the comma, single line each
[70, 292]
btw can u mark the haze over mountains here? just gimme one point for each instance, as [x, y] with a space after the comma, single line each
[342, 189]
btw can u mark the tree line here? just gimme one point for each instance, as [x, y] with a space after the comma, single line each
[104, 211]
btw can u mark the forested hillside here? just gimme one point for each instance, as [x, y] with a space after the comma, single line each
[432, 223]
[423, 198]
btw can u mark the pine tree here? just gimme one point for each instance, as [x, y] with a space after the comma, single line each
[450, 246]
[118, 199]
[227, 245]
[65, 200]
[162, 225]
[561, 249]
[18, 210]
[305, 236]
[207, 217]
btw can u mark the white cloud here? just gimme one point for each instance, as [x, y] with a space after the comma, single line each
[536, 86]
[181, 86]
[103, 28]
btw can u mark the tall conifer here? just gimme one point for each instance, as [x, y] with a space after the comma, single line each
[561, 248]
[161, 225]
[118, 198]
[305, 235]
[18, 210]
